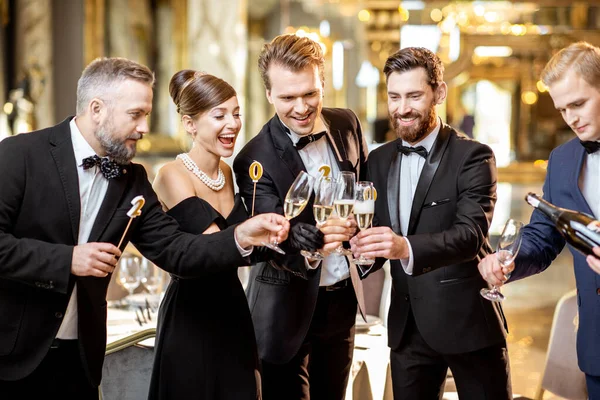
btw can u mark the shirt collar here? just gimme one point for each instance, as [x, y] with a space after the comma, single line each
[429, 140]
[319, 127]
[81, 147]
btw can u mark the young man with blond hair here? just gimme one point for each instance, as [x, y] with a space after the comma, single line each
[303, 310]
[573, 80]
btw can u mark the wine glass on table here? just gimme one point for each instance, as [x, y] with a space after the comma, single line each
[344, 201]
[325, 190]
[129, 273]
[294, 202]
[506, 252]
[364, 209]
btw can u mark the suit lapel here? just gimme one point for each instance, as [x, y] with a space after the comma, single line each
[116, 188]
[393, 185]
[285, 148]
[336, 142]
[429, 169]
[579, 154]
[64, 158]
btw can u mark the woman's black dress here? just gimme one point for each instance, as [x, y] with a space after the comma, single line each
[205, 345]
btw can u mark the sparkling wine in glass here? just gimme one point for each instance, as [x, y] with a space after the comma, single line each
[129, 273]
[506, 252]
[294, 202]
[344, 201]
[322, 208]
[364, 209]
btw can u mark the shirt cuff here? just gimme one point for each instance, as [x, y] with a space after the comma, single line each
[408, 263]
[313, 264]
[243, 252]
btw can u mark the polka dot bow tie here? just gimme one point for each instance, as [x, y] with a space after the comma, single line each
[109, 169]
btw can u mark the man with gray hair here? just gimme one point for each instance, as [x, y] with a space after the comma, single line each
[66, 193]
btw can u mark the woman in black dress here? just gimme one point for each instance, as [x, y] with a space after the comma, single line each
[205, 346]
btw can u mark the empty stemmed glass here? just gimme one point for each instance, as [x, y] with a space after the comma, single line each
[344, 201]
[364, 209]
[325, 190]
[129, 273]
[295, 201]
[152, 276]
[506, 252]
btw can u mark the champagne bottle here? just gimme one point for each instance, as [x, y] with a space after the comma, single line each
[579, 230]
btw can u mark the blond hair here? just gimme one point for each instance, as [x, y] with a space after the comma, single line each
[292, 52]
[580, 57]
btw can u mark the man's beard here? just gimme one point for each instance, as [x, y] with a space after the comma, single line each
[115, 150]
[413, 134]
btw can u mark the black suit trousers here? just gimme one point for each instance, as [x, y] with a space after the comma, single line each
[320, 369]
[59, 376]
[419, 372]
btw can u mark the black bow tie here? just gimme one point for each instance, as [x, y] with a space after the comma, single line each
[304, 140]
[420, 150]
[109, 169]
[590, 147]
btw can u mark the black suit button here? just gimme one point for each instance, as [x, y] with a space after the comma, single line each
[58, 314]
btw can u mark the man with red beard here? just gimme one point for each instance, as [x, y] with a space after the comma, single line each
[437, 190]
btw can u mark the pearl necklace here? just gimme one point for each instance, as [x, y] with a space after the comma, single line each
[214, 184]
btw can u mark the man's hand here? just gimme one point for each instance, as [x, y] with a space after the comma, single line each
[491, 270]
[379, 242]
[336, 231]
[594, 261]
[262, 228]
[94, 259]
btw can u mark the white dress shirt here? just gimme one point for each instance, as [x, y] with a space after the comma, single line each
[411, 166]
[588, 182]
[315, 154]
[92, 189]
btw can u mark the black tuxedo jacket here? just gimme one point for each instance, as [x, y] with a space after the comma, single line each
[39, 225]
[282, 302]
[448, 227]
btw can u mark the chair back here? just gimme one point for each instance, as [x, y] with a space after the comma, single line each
[562, 375]
[127, 368]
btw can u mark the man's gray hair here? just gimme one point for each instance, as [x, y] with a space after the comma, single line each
[102, 75]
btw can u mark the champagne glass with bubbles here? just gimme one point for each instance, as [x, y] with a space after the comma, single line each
[344, 202]
[506, 252]
[322, 208]
[295, 201]
[364, 209]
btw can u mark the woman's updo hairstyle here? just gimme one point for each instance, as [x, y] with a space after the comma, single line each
[195, 92]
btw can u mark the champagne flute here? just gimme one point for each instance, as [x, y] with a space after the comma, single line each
[322, 208]
[295, 201]
[344, 201]
[129, 273]
[364, 209]
[506, 252]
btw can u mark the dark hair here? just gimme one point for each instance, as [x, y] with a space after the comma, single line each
[416, 57]
[101, 75]
[195, 92]
[292, 52]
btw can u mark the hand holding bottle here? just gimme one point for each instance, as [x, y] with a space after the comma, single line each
[594, 260]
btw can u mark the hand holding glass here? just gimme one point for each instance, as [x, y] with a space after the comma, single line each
[506, 252]
[322, 208]
[295, 201]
